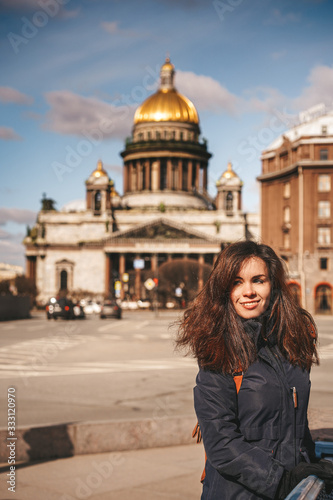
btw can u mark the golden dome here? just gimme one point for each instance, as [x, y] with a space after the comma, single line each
[99, 172]
[166, 104]
[229, 173]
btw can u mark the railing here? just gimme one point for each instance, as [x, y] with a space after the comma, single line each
[312, 488]
[308, 489]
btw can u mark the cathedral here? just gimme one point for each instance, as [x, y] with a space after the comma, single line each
[117, 244]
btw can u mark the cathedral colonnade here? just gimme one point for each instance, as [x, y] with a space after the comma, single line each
[174, 174]
[136, 267]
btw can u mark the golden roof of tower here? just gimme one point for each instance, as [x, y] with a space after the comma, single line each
[229, 172]
[99, 172]
[166, 104]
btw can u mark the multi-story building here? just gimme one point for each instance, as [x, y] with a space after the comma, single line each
[296, 206]
[165, 213]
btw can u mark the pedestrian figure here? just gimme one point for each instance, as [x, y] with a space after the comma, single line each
[246, 323]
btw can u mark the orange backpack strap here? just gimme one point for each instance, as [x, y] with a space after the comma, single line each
[238, 379]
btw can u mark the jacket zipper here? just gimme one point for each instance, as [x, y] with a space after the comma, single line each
[294, 396]
[294, 399]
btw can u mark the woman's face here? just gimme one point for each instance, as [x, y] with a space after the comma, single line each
[251, 290]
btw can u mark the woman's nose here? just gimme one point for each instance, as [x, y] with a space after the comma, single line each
[248, 289]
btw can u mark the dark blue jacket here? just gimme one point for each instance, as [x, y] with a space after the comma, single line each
[250, 438]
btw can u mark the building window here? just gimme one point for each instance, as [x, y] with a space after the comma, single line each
[174, 178]
[323, 263]
[98, 201]
[163, 172]
[324, 154]
[323, 299]
[324, 209]
[286, 190]
[286, 215]
[324, 235]
[63, 280]
[185, 176]
[324, 183]
[229, 202]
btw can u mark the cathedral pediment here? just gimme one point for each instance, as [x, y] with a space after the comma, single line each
[160, 230]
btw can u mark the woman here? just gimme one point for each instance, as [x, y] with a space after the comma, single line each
[257, 442]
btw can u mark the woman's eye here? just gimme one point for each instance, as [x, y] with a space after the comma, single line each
[237, 282]
[258, 280]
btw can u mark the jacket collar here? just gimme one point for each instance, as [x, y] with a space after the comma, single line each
[260, 330]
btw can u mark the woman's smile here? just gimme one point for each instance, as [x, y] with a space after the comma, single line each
[251, 290]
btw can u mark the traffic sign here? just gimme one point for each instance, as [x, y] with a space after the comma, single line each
[149, 284]
[117, 285]
[125, 277]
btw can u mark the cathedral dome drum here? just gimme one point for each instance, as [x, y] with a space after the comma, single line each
[164, 156]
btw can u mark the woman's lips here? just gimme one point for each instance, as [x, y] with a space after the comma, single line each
[250, 305]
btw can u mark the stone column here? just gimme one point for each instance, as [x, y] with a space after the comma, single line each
[205, 178]
[197, 175]
[125, 177]
[121, 272]
[154, 262]
[189, 175]
[200, 277]
[155, 178]
[107, 274]
[88, 199]
[137, 283]
[147, 170]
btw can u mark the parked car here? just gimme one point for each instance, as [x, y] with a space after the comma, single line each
[78, 311]
[91, 307]
[129, 304]
[110, 309]
[60, 308]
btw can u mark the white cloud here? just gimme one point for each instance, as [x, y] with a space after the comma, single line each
[10, 95]
[18, 215]
[72, 114]
[12, 250]
[8, 134]
[262, 99]
[278, 18]
[110, 27]
[205, 92]
[113, 28]
[319, 90]
[114, 169]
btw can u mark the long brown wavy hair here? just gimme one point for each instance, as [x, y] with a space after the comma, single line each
[212, 331]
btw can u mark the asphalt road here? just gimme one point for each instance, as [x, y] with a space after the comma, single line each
[96, 370]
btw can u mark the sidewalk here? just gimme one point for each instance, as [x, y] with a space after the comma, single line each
[154, 471]
[150, 474]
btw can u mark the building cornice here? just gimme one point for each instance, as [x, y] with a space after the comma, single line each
[293, 168]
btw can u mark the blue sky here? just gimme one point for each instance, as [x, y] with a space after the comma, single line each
[71, 69]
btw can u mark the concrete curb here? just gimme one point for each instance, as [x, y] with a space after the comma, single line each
[84, 438]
